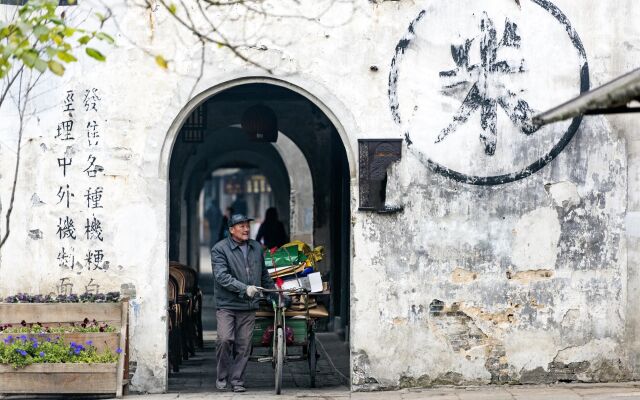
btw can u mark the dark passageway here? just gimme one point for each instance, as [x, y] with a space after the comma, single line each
[306, 178]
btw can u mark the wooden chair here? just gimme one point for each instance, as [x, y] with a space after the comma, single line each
[185, 299]
[175, 350]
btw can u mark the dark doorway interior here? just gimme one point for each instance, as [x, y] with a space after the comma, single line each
[212, 143]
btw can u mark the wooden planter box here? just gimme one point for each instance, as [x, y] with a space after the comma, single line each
[69, 378]
[59, 378]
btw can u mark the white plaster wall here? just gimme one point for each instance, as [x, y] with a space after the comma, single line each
[508, 310]
[301, 189]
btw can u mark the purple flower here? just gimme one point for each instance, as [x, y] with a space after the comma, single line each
[22, 352]
[118, 350]
[23, 338]
[42, 354]
[48, 339]
[35, 345]
[89, 342]
[73, 344]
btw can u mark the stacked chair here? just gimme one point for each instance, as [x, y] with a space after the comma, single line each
[185, 314]
[175, 333]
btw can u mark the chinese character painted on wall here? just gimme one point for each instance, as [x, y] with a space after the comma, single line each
[66, 229]
[91, 99]
[68, 102]
[94, 259]
[64, 163]
[92, 287]
[488, 94]
[64, 194]
[66, 259]
[92, 133]
[93, 169]
[64, 130]
[93, 229]
[65, 287]
[94, 197]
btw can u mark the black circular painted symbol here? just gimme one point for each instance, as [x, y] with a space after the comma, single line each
[481, 102]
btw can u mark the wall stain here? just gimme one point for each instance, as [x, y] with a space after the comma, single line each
[526, 277]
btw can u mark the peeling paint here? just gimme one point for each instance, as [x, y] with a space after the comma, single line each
[35, 234]
[525, 277]
[460, 275]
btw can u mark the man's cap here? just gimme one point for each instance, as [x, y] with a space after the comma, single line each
[238, 218]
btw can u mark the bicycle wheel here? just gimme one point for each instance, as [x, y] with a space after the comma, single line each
[279, 354]
[313, 358]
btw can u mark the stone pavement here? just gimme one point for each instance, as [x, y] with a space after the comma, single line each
[621, 391]
[197, 375]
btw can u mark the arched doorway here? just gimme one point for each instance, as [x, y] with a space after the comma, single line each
[310, 141]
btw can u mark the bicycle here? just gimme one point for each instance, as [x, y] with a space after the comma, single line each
[302, 328]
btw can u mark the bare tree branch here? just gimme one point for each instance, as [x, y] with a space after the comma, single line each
[9, 84]
[22, 103]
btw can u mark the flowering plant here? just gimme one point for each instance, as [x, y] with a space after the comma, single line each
[85, 326]
[110, 297]
[20, 351]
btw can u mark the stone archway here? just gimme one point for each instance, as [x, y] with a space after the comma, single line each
[336, 205]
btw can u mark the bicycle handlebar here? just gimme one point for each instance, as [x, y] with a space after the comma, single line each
[296, 290]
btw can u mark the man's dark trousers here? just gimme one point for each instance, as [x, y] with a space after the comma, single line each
[234, 327]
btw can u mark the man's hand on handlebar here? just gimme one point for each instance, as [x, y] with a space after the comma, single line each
[273, 295]
[252, 291]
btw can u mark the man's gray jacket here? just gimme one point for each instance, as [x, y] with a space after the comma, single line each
[230, 274]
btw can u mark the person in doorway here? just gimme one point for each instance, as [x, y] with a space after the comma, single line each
[224, 226]
[238, 269]
[271, 231]
[214, 217]
[240, 204]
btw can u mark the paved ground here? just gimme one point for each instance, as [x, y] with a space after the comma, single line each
[626, 391]
[197, 375]
[196, 378]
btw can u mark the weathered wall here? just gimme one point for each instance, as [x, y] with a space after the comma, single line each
[521, 282]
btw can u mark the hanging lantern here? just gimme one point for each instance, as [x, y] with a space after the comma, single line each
[260, 123]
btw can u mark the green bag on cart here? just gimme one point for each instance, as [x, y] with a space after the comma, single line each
[284, 257]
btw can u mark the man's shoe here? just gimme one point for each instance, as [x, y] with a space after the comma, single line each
[239, 389]
[221, 385]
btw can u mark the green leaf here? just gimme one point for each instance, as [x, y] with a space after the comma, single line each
[68, 31]
[56, 67]
[84, 39]
[173, 8]
[40, 65]
[105, 37]
[51, 52]
[41, 30]
[66, 57]
[24, 27]
[161, 62]
[93, 53]
[29, 58]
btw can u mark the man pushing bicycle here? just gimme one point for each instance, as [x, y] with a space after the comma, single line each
[238, 270]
